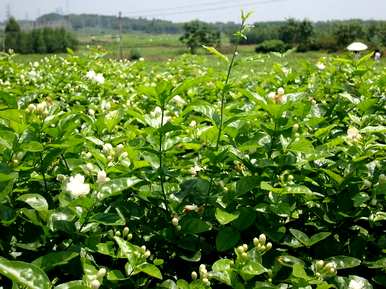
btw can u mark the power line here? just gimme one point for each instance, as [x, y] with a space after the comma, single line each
[248, 4]
[180, 7]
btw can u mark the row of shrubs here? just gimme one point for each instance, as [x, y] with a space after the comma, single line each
[44, 40]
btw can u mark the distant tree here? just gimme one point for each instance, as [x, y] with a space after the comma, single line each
[12, 35]
[296, 32]
[198, 33]
[39, 43]
[349, 32]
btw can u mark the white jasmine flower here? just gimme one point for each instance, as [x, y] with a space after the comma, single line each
[105, 105]
[91, 74]
[195, 170]
[189, 208]
[193, 123]
[107, 148]
[179, 101]
[102, 177]
[100, 78]
[97, 77]
[41, 107]
[91, 112]
[280, 91]
[321, 66]
[356, 284]
[353, 134]
[31, 108]
[76, 186]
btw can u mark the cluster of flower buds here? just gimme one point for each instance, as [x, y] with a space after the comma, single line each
[111, 153]
[323, 268]
[146, 253]
[40, 108]
[96, 283]
[242, 251]
[204, 276]
[124, 234]
[261, 243]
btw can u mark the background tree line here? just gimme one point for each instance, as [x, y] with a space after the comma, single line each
[307, 35]
[42, 40]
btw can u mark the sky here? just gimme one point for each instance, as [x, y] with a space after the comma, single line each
[206, 10]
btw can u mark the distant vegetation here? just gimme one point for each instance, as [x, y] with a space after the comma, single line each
[266, 36]
[43, 40]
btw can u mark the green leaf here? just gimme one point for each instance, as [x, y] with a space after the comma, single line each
[24, 274]
[36, 201]
[224, 217]
[302, 145]
[227, 238]
[54, 259]
[299, 272]
[195, 225]
[151, 270]
[78, 284]
[108, 219]
[32, 146]
[216, 53]
[246, 184]
[114, 187]
[115, 275]
[300, 236]
[379, 264]
[337, 178]
[252, 269]
[344, 262]
[318, 237]
[222, 271]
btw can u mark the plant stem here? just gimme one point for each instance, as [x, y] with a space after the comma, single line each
[223, 91]
[162, 175]
[44, 176]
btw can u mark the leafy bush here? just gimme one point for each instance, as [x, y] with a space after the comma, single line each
[127, 175]
[135, 54]
[275, 45]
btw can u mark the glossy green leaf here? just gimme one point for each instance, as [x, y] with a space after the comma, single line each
[54, 259]
[151, 270]
[344, 262]
[24, 274]
[227, 238]
[36, 201]
[224, 217]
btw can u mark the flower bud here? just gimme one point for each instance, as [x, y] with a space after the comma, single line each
[118, 233]
[245, 247]
[206, 281]
[129, 237]
[125, 231]
[175, 221]
[95, 284]
[268, 246]
[262, 238]
[240, 249]
[101, 177]
[101, 273]
[244, 255]
[295, 127]
[31, 108]
[143, 248]
[256, 242]
[319, 263]
[147, 254]
[194, 275]
[280, 91]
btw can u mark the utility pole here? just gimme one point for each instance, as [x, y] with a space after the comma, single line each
[8, 11]
[120, 34]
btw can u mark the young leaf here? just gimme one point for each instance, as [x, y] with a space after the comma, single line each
[216, 53]
[224, 217]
